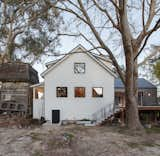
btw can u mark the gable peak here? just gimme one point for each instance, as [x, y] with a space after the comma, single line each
[78, 48]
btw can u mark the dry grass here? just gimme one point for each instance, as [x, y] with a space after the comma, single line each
[76, 140]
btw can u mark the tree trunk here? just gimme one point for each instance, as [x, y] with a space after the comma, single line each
[9, 51]
[132, 115]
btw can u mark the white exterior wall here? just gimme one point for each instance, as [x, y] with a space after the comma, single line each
[38, 108]
[63, 75]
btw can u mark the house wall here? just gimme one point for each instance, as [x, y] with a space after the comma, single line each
[38, 108]
[149, 97]
[63, 75]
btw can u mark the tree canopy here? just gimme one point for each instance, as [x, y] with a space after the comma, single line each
[28, 29]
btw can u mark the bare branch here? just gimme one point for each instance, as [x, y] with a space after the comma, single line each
[107, 14]
[146, 26]
[115, 4]
[149, 33]
[121, 74]
[82, 35]
[69, 11]
[143, 6]
[147, 58]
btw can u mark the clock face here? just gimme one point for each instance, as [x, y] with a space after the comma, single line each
[79, 68]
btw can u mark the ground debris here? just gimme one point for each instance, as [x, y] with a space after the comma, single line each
[74, 140]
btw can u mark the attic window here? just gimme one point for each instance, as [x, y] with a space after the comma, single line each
[79, 68]
[61, 91]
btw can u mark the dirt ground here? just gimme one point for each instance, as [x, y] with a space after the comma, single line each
[74, 140]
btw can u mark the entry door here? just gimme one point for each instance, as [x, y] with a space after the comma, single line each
[55, 116]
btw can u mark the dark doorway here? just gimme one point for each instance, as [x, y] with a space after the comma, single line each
[55, 116]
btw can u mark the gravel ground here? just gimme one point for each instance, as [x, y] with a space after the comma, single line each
[74, 140]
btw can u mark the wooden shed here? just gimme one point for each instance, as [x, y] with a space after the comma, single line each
[15, 92]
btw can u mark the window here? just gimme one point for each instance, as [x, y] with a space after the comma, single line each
[21, 107]
[79, 92]
[97, 92]
[4, 105]
[39, 93]
[79, 68]
[12, 106]
[61, 91]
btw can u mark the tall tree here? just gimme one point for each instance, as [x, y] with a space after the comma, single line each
[28, 29]
[133, 23]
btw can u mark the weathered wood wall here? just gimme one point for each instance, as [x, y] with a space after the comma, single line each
[18, 72]
[14, 96]
[15, 91]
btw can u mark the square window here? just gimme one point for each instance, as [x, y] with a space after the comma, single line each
[79, 92]
[61, 91]
[21, 107]
[12, 106]
[97, 92]
[79, 68]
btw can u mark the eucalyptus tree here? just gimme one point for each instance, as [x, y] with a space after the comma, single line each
[28, 29]
[103, 22]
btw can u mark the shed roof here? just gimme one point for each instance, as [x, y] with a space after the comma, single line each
[142, 83]
[18, 72]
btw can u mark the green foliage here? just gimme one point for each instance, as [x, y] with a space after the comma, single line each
[157, 69]
[30, 27]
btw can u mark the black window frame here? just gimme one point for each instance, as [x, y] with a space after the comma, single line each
[80, 63]
[79, 96]
[61, 96]
[97, 96]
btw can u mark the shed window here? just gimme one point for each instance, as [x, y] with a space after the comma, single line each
[97, 92]
[12, 106]
[61, 91]
[20, 107]
[79, 92]
[4, 105]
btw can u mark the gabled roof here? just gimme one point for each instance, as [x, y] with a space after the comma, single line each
[48, 64]
[142, 84]
[78, 49]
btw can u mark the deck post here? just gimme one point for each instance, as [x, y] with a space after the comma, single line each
[122, 117]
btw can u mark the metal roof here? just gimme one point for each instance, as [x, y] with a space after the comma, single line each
[142, 83]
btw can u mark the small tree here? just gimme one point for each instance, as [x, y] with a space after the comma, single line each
[28, 29]
[157, 69]
[146, 67]
[100, 18]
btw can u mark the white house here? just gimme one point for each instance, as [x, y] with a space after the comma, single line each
[78, 86]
